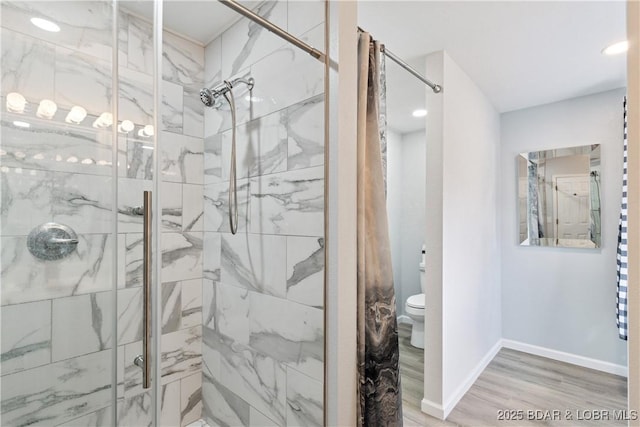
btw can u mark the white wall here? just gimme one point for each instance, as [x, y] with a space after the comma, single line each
[394, 211]
[406, 176]
[557, 298]
[467, 148]
[413, 210]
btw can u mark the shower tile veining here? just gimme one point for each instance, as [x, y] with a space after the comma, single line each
[263, 297]
[57, 392]
[246, 42]
[289, 203]
[28, 344]
[28, 65]
[305, 270]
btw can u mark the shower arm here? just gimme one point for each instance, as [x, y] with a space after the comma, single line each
[227, 85]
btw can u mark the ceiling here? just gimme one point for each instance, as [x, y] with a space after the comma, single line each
[520, 53]
[199, 20]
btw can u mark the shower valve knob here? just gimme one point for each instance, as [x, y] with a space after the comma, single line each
[52, 241]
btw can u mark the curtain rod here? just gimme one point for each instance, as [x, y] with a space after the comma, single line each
[232, 4]
[435, 87]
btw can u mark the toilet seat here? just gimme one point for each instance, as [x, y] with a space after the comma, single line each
[416, 301]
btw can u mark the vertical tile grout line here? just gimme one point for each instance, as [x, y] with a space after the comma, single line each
[114, 189]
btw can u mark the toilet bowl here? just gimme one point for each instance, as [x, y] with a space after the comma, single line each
[414, 307]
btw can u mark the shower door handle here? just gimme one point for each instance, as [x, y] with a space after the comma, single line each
[144, 360]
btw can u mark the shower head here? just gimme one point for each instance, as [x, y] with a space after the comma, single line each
[209, 96]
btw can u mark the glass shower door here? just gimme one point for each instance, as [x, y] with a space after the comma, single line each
[76, 154]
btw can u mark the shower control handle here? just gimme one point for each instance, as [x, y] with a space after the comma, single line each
[52, 241]
[139, 361]
[62, 241]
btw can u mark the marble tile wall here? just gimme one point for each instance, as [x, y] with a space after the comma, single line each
[57, 337]
[262, 304]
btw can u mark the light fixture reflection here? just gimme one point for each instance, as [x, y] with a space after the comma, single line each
[105, 120]
[46, 25]
[16, 102]
[76, 115]
[47, 109]
[126, 126]
[146, 132]
[419, 113]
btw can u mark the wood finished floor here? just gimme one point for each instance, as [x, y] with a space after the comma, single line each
[517, 381]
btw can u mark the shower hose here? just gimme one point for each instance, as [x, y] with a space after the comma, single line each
[233, 188]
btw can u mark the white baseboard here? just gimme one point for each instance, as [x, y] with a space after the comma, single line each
[574, 359]
[432, 408]
[403, 318]
[471, 379]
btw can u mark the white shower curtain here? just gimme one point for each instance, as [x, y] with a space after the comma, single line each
[379, 375]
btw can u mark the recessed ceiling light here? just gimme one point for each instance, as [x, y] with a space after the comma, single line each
[616, 48]
[419, 113]
[43, 24]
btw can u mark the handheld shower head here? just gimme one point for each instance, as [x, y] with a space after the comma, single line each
[207, 98]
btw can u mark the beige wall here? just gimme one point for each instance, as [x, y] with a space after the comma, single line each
[340, 323]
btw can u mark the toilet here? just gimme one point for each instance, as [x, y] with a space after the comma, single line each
[414, 308]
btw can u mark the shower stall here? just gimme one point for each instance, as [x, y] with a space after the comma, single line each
[162, 261]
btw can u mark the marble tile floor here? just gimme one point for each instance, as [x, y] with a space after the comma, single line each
[517, 381]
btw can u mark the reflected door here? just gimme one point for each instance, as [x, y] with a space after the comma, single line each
[572, 207]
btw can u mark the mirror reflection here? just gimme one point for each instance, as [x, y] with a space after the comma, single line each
[559, 197]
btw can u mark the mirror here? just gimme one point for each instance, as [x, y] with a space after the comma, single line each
[559, 197]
